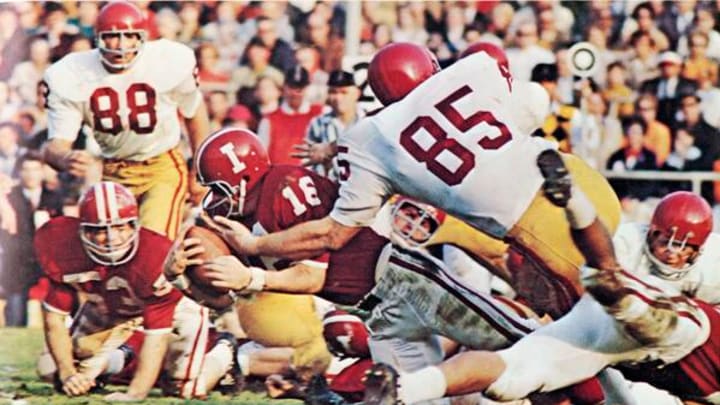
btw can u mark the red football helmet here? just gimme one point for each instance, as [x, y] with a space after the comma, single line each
[495, 52]
[106, 210]
[345, 334]
[684, 218]
[231, 162]
[414, 223]
[398, 68]
[120, 17]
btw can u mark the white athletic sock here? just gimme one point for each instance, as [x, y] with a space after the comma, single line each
[244, 363]
[216, 364]
[580, 210]
[423, 385]
[116, 362]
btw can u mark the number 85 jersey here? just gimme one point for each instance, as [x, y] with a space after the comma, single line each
[452, 143]
[133, 114]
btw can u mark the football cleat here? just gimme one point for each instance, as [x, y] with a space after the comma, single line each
[381, 385]
[318, 392]
[233, 381]
[558, 184]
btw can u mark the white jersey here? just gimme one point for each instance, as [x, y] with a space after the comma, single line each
[134, 114]
[702, 281]
[453, 143]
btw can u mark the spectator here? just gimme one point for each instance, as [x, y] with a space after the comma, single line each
[642, 60]
[245, 78]
[190, 31]
[168, 24]
[643, 20]
[10, 149]
[705, 23]
[33, 204]
[617, 94]
[657, 136]
[668, 87]
[710, 105]
[13, 45]
[87, 12]
[707, 138]
[310, 59]
[267, 95]
[633, 156]
[218, 105]
[209, 74]
[698, 64]
[320, 148]
[566, 80]
[330, 44]
[610, 136]
[285, 127]
[409, 28]
[528, 53]
[229, 36]
[685, 157]
[55, 24]
[605, 56]
[27, 75]
[239, 116]
[281, 53]
[676, 19]
[500, 19]
[455, 27]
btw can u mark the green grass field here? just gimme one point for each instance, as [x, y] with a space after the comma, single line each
[19, 385]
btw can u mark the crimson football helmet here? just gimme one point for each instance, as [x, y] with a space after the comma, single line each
[414, 223]
[104, 210]
[685, 219]
[120, 17]
[231, 162]
[345, 334]
[398, 68]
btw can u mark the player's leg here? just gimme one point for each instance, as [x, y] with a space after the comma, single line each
[186, 350]
[160, 185]
[287, 321]
[547, 235]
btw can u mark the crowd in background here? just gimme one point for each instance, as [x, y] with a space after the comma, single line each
[276, 68]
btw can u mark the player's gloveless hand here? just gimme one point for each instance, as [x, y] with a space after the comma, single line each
[228, 272]
[77, 162]
[78, 384]
[122, 397]
[235, 234]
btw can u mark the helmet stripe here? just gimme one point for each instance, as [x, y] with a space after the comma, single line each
[112, 202]
[100, 202]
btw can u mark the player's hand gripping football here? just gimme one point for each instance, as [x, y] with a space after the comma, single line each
[235, 234]
[228, 272]
[184, 253]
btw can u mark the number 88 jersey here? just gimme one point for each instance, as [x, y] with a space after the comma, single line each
[451, 142]
[133, 114]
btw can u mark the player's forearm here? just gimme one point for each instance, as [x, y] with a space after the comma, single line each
[149, 363]
[305, 240]
[298, 279]
[198, 127]
[59, 343]
[55, 153]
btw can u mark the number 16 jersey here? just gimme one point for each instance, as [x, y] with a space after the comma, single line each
[452, 143]
[133, 114]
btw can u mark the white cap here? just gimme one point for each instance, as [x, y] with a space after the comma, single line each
[670, 57]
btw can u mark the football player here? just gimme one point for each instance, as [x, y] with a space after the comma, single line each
[129, 92]
[650, 331]
[678, 246]
[234, 165]
[448, 138]
[117, 265]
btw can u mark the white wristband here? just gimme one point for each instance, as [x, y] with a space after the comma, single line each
[180, 282]
[257, 281]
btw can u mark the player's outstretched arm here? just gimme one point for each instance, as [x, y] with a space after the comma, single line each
[302, 241]
[60, 347]
[150, 361]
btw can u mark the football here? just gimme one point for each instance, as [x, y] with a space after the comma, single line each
[214, 247]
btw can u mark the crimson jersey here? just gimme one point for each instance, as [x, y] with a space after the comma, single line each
[696, 375]
[136, 288]
[290, 195]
